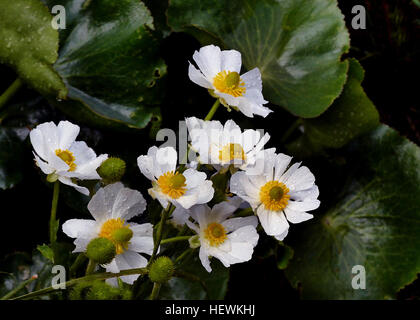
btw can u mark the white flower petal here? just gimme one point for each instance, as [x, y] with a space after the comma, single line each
[300, 179]
[102, 203]
[197, 77]
[141, 230]
[208, 60]
[80, 228]
[274, 223]
[281, 236]
[252, 79]
[297, 216]
[68, 182]
[231, 60]
[67, 134]
[44, 166]
[128, 203]
[224, 209]
[306, 205]
[282, 161]
[204, 259]
[141, 244]
[130, 260]
[236, 223]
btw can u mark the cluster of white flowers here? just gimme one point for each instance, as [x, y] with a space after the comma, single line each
[276, 191]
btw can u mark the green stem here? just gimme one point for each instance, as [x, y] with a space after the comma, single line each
[291, 129]
[174, 239]
[183, 255]
[92, 277]
[164, 216]
[91, 267]
[18, 288]
[53, 221]
[81, 258]
[10, 92]
[212, 110]
[155, 291]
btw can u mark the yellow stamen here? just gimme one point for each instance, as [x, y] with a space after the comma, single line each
[68, 157]
[274, 196]
[229, 82]
[112, 230]
[172, 184]
[232, 152]
[215, 233]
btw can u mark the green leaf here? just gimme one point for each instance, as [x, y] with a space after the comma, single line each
[109, 60]
[351, 115]
[215, 283]
[375, 222]
[11, 154]
[29, 44]
[296, 44]
[46, 251]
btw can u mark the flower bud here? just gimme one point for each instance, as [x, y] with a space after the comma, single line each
[112, 170]
[161, 270]
[101, 250]
[194, 242]
[52, 177]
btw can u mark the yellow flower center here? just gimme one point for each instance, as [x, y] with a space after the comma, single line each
[274, 196]
[118, 233]
[232, 152]
[68, 157]
[215, 233]
[172, 184]
[229, 82]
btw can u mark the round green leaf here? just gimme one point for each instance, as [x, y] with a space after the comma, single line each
[109, 60]
[29, 44]
[351, 115]
[375, 223]
[296, 44]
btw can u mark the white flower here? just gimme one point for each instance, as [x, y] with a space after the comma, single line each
[278, 194]
[231, 240]
[169, 186]
[57, 152]
[226, 144]
[111, 207]
[219, 72]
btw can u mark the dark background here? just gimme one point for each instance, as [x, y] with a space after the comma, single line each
[388, 50]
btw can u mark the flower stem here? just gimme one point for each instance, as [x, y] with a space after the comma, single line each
[155, 291]
[10, 92]
[212, 110]
[18, 288]
[92, 277]
[183, 255]
[164, 216]
[91, 267]
[81, 258]
[174, 239]
[53, 220]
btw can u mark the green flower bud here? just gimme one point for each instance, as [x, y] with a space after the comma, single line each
[98, 290]
[101, 250]
[52, 177]
[122, 235]
[112, 170]
[161, 270]
[194, 242]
